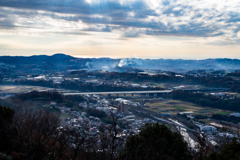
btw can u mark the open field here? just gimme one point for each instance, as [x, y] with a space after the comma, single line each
[172, 106]
[14, 89]
[64, 115]
[20, 88]
[180, 107]
[221, 112]
[175, 106]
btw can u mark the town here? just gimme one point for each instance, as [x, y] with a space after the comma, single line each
[98, 109]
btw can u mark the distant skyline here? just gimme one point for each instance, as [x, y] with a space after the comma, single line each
[187, 29]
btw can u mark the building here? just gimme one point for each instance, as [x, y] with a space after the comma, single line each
[216, 125]
[235, 114]
[53, 104]
[209, 129]
[123, 107]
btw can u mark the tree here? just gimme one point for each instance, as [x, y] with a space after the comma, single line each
[6, 119]
[35, 133]
[27, 134]
[155, 141]
[229, 152]
[5, 157]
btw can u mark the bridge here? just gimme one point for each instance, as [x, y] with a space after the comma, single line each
[154, 93]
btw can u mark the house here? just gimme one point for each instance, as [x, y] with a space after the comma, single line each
[235, 114]
[216, 125]
[53, 104]
[209, 129]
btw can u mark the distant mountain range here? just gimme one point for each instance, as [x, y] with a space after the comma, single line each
[62, 62]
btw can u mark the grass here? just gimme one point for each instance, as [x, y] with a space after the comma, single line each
[64, 115]
[210, 111]
[221, 112]
[205, 111]
[20, 88]
[172, 106]
[180, 107]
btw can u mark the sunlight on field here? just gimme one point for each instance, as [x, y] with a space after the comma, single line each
[20, 89]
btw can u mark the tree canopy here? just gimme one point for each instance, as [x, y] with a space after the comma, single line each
[229, 152]
[155, 141]
[6, 116]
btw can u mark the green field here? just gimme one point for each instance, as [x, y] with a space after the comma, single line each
[175, 106]
[172, 106]
[221, 112]
[64, 115]
[180, 107]
[204, 111]
[209, 112]
[20, 88]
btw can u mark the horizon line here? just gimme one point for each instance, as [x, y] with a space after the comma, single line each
[114, 57]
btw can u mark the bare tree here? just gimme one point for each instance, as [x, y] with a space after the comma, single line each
[34, 132]
[37, 134]
[201, 146]
[111, 140]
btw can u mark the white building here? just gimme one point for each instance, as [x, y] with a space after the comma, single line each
[208, 129]
[235, 114]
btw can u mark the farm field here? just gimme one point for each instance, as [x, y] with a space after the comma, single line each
[21, 88]
[172, 106]
[175, 106]
[221, 112]
[9, 89]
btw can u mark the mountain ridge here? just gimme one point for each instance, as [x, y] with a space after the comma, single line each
[62, 62]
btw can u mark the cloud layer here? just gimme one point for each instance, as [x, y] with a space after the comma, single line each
[124, 19]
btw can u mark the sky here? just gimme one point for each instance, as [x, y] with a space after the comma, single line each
[187, 29]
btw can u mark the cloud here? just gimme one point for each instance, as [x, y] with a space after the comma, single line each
[186, 18]
[6, 21]
[98, 29]
[131, 34]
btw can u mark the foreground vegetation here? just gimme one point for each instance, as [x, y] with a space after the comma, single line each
[28, 134]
